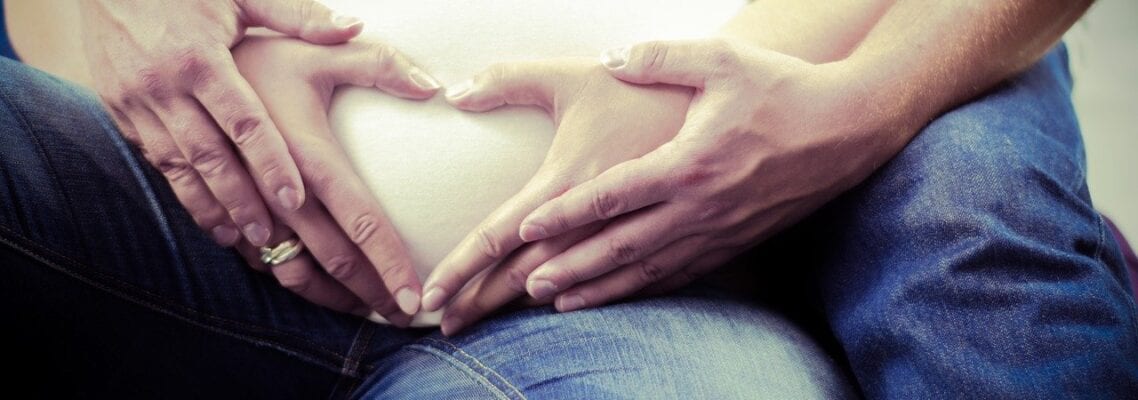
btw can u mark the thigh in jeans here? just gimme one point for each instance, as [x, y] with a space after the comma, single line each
[974, 265]
[675, 347]
[110, 287]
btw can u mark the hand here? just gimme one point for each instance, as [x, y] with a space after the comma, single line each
[768, 139]
[601, 122]
[342, 225]
[163, 69]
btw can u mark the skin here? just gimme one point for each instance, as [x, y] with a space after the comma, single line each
[768, 138]
[168, 78]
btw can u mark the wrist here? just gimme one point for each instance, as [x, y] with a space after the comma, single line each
[879, 101]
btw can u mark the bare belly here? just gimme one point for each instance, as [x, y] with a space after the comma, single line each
[438, 171]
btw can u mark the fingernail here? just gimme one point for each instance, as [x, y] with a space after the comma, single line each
[257, 234]
[570, 303]
[451, 324]
[541, 288]
[532, 232]
[344, 21]
[458, 91]
[615, 58]
[433, 300]
[423, 80]
[408, 301]
[225, 235]
[289, 198]
[375, 317]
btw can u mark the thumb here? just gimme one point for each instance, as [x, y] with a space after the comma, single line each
[530, 83]
[684, 62]
[306, 19]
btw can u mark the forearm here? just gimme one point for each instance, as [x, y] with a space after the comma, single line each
[818, 31]
[920, 60]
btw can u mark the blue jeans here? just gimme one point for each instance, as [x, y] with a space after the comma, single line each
[971, 265]
[109, 289]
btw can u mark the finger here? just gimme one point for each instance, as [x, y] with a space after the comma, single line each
[302, 276]
[307, 19]
[160, 150]
[211, 155]
[493, 239]
[126, 128]
[341, 258]
[530, 83]
[369, 63]
[239, 112]
[682, 62]
[699, 267]
[622, 242]
[631, 278]
[626, 187]
[360, 218]
[506, 282]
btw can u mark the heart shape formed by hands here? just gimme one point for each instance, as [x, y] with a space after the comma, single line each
[438, 171]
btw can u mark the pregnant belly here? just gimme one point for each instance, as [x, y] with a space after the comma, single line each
[438, 171]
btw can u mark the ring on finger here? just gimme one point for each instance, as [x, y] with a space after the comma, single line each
[281, 253]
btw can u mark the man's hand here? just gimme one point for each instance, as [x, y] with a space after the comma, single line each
[342, 224]
[601, 122]
[164, 70]
[767, 139]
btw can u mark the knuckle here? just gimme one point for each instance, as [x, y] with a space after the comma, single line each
[622, 252]
[653, 57]
[364, 228]
[489, 243]
[238, 208]
[244, 127]
[390, 271]
[516, 279]
[174, 167]
[724, 59]
[607, 205]
[316, 173]
[342, 267]
[561, 222]
[210, 161]
[650, 272]
[151, 83]
[194, 66]
[694, 175]
[295, 282]
[386, 58]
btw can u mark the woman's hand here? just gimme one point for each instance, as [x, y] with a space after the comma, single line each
[164, 71]
[601, 122]
[342, 224]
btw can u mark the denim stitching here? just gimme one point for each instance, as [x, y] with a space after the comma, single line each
[318, 355]
[350, 372]
[480, 372]
[27, 129]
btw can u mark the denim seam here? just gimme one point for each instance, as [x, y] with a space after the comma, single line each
[350, 371]
[27, 129]
[474, 367]
[323, 357]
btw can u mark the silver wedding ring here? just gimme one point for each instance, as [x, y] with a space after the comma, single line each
[281, 253]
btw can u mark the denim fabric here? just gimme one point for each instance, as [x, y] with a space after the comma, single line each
[108, 289]
[973, 264]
